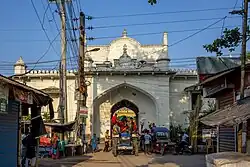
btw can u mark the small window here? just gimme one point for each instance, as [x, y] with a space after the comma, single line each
[162, 134]
[3, 105]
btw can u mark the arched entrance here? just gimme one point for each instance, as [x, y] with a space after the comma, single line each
[125, 108]
[121, 97]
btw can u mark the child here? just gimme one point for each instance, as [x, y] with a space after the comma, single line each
[147, 139]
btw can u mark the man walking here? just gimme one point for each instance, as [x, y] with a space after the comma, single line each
[30, 143]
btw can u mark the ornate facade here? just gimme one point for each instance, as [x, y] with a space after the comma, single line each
[123, 70]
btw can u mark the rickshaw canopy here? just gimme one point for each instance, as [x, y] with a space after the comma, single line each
[160, 129]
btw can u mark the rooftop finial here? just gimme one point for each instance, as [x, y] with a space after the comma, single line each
[124, 33]
[20, 61]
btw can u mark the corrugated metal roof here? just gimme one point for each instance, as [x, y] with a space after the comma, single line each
[214, 65]
[25, 87]
[238, 112]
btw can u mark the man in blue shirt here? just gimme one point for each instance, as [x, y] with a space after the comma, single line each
[147, 140]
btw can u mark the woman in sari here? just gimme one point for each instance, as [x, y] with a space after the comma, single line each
[94, 143]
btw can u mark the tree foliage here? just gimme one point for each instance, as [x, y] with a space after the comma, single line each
[46, 117]
[230, 39]
[152, 2]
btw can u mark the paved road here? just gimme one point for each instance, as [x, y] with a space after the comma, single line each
[102, 159]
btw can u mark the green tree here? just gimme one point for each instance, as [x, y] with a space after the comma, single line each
[248, 55]
[46, 117]
[27, 118]
[152, 2]
[230, 39]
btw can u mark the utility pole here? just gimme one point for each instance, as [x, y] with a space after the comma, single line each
[82, 87]
[82, 84]
[63, 63]
[243, 68]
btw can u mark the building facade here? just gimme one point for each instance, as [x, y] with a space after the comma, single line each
[123, 72]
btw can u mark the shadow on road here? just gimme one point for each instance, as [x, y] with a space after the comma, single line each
[64, 162]
[177, 161]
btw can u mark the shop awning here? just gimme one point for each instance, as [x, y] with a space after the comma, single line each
[231, 115]
[62, 127]
[39, 96]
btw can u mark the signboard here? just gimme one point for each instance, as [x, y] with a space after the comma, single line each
[125, 112]
[83, 112]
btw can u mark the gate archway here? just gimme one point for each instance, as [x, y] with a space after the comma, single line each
[124, 104]
[123, 95]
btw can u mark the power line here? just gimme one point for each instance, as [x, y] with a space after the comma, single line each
[156, 33]
[196, 32]
[154, 23]
[157, 13]
[120, 25]
[10, 63]
[111, 37]
[20, 29]
[43, 55]
[51, 44]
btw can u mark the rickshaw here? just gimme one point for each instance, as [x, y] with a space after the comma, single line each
[160, 140]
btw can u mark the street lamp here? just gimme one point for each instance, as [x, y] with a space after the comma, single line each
[93, 50]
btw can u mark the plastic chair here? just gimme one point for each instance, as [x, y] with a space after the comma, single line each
[62, 147]
[209, 145]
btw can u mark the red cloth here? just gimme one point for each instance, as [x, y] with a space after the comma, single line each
[44, 141]
[122, 126]
[114, 120]
[134, 126]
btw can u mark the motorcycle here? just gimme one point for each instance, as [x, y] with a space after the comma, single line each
[186, 149]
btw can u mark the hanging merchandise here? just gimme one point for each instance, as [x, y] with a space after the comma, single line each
[23, 96]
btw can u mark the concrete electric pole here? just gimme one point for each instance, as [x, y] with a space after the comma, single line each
[81, 88]
[63, 60]
[243, 69]
[63, 64]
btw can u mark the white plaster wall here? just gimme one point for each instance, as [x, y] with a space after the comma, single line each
[156, 86]
[104, 118]
[71, 103]
[178, 106]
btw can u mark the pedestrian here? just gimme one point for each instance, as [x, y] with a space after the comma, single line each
[147, 140]
[30, 143]
[106, 147]
[25, 133]
[55, 147]
[94, 143]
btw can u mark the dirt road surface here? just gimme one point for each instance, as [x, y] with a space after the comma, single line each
[102, 159]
